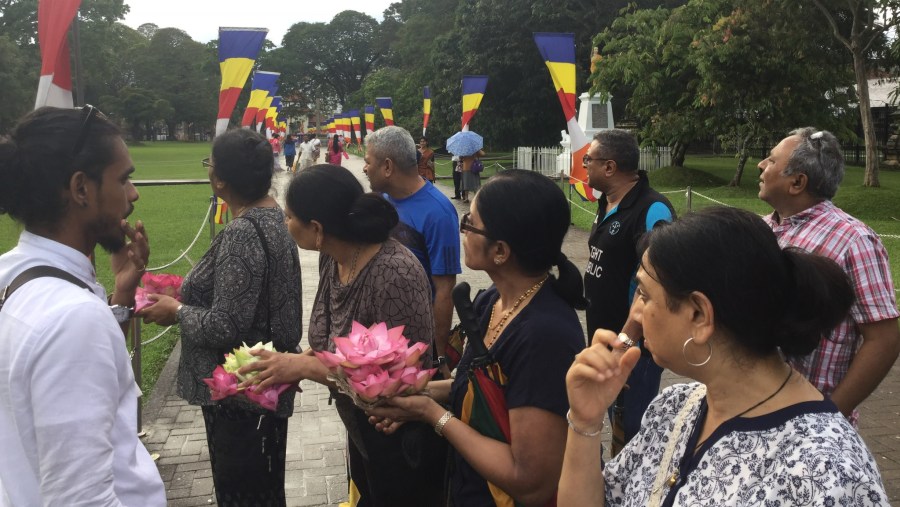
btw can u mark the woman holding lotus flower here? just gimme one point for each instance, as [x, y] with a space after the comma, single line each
[246, 288]
[365, 279]
[531, 334]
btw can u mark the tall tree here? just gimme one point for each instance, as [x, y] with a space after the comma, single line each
[741, 70]
[182, 72]
[329, 60]
[858, 24]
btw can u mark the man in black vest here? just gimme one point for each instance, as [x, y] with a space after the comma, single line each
[627, 209]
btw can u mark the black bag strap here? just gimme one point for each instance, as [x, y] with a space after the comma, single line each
[39, 272]
[265, 247]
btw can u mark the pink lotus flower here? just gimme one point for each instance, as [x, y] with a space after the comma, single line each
[268, 397]
[375, 345]
[225, 379]
[222, 384]
[413, 379]
[168, 285]
[376, 363]
[374, 385]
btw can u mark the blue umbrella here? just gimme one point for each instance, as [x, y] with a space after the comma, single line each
[465, 143]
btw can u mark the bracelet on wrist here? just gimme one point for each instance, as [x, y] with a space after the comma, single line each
[178, 312]
[439, 425]
[580, 431]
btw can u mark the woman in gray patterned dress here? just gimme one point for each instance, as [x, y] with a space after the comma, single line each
[246, 288]
[721, 303]
[369, 278]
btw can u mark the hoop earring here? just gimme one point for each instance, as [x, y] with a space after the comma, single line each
[684, 353]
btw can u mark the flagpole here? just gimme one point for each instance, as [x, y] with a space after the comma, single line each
[76, 51]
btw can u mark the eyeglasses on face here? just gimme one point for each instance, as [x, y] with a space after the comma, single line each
[206, 163]
[88, 113]
[465, 224]
[587, 159]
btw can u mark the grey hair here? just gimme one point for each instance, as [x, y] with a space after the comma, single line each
[621, 146]
[395, 143]
[818, 156]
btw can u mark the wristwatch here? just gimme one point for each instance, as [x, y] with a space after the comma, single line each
[122, 313]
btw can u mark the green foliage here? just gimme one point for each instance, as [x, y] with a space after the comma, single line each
[183, 72]
[328, 61]
[19, 75]
[741, 70]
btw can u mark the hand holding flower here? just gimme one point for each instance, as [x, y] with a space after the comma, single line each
[162, 309]
[272, 368]
[399, 409]
[376, 363]
[238, 375]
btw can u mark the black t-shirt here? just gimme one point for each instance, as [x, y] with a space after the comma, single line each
[534, 352]
[614, 257]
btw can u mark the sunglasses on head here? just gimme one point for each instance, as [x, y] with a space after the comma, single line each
[88, 113]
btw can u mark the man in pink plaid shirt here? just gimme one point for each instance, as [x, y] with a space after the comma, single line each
[798, 179]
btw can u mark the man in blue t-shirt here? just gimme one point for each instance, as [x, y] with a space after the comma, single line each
[627, 209]
[429, 225]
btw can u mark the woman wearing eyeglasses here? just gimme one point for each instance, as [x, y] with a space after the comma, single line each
[246, 288]
[531, 335]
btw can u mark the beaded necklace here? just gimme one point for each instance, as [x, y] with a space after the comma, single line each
[496, 329]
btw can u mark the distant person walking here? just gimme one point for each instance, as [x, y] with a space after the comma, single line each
[290, 150]
[336, 150]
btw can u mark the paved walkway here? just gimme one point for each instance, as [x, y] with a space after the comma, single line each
[316, 472]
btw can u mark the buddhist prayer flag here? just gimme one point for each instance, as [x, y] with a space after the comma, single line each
[263, 81]
[263, 111]
[272, 114]
[426, 109]
[558, 51]
[55, 84]
[354, 121]
[473, 88]
[386, 104]
[221, 209]
[332, 125]
[370, 119]
[238, 48]
[345, 126]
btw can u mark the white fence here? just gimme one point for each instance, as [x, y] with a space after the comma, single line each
[550, 161]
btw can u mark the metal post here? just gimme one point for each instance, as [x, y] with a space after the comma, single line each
[79, 72]
[689, 195]
[136, 366]
[211, 212]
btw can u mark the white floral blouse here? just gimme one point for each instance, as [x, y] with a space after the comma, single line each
[805, 454]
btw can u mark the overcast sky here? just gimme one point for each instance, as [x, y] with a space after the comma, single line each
[201, 19]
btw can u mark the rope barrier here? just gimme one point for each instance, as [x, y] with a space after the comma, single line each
[711, 199]
[194, 242]
[157, 337]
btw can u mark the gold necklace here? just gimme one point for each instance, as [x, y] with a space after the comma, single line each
[353, 265]
[499, 327]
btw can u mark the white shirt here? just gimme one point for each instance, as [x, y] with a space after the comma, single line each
[68, 399]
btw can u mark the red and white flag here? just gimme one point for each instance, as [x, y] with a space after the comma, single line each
[55, 85]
